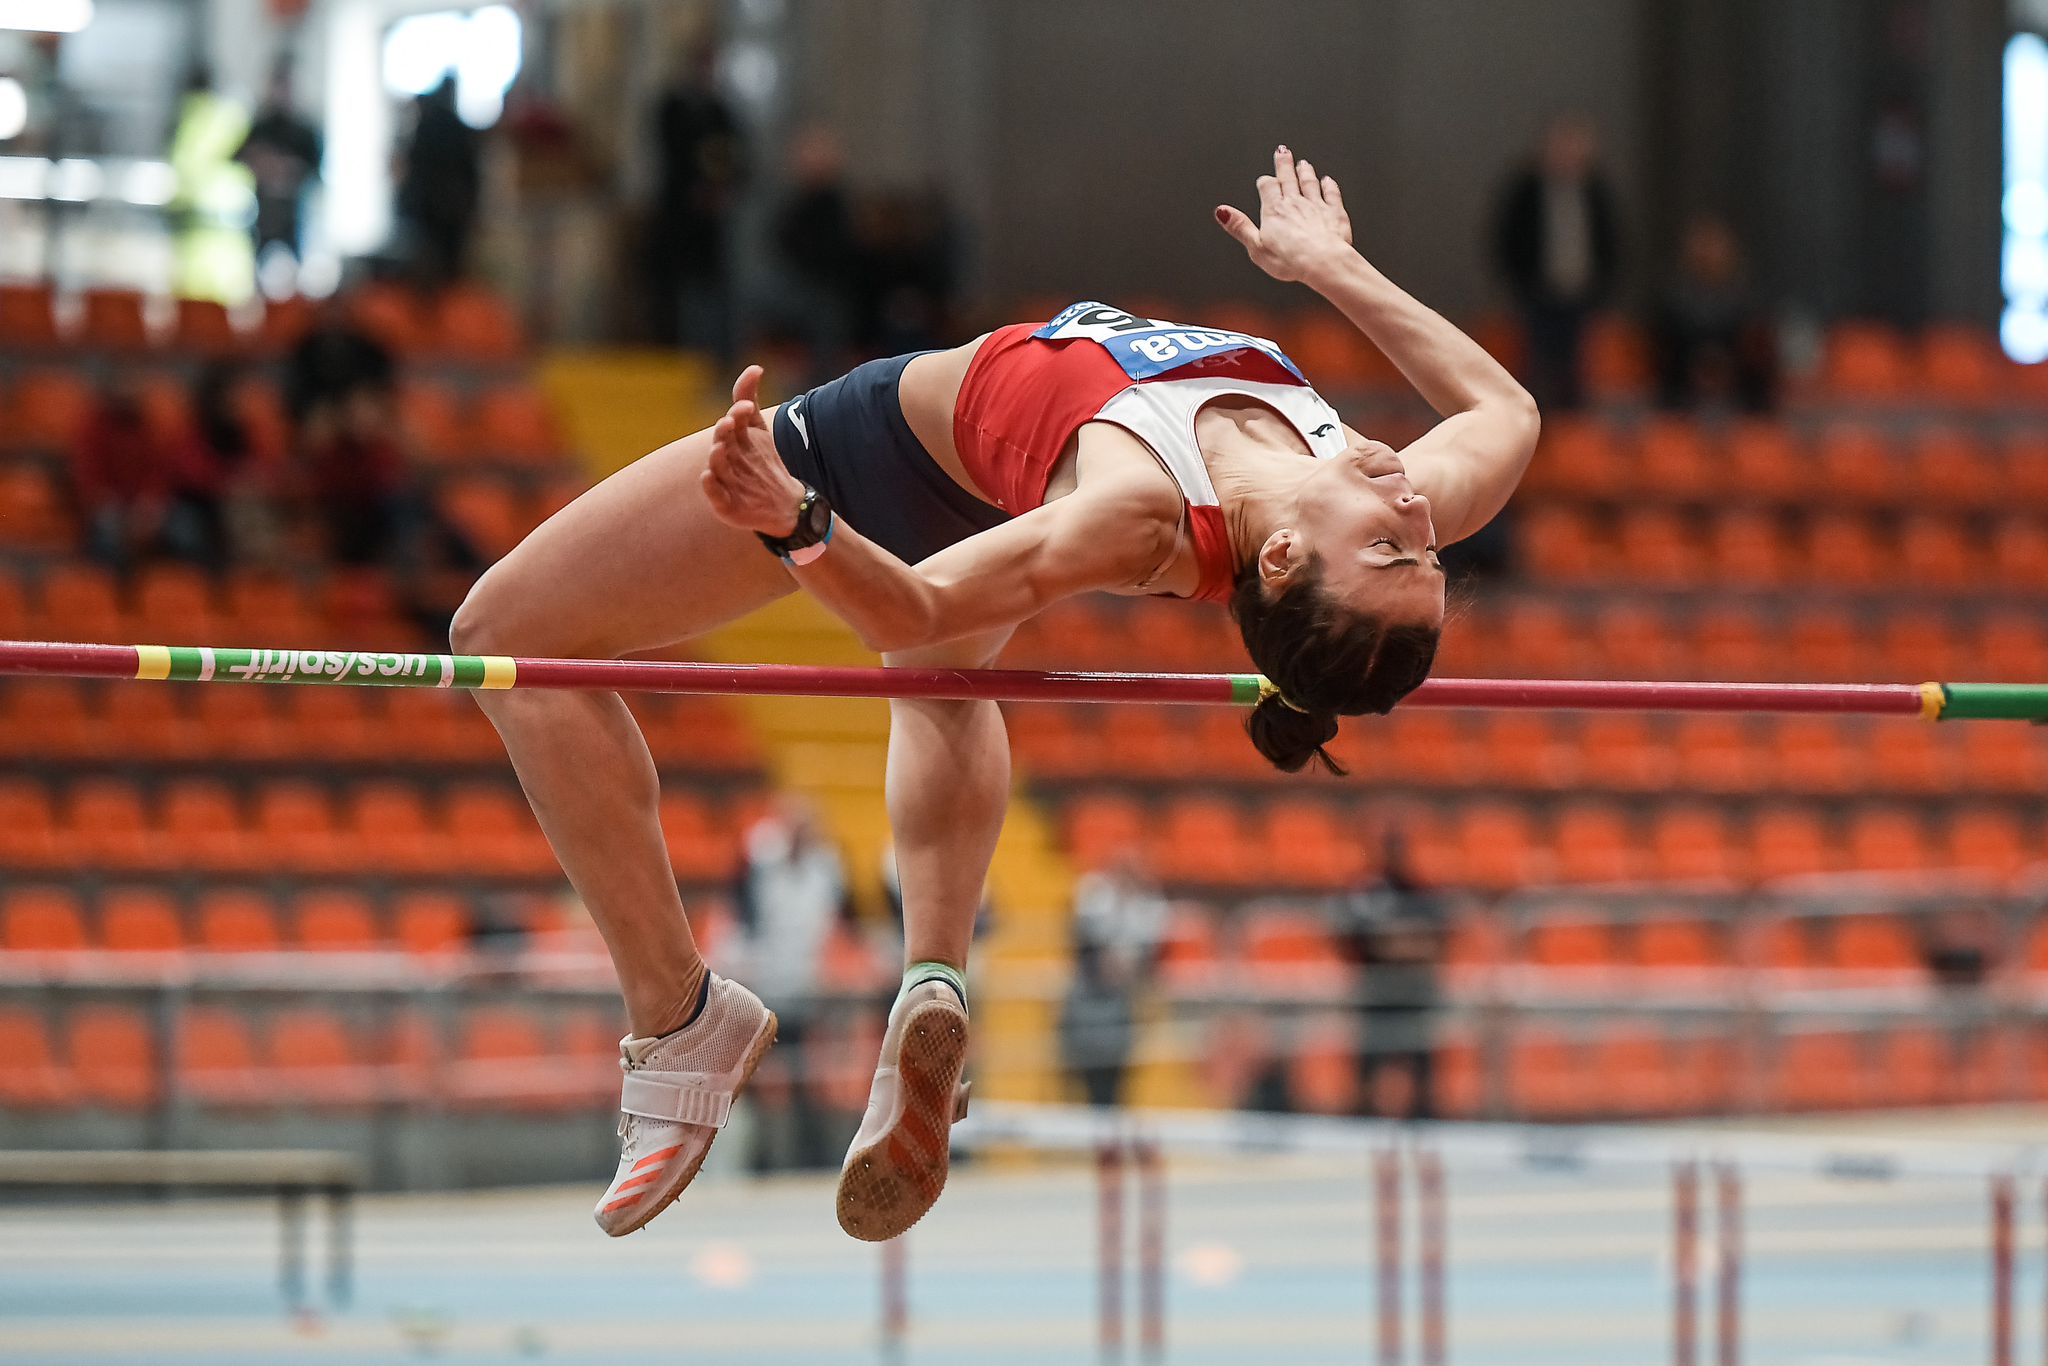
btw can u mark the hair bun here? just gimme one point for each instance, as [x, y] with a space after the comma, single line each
[1290, 738]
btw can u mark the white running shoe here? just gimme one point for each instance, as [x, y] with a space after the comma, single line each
[678, 1094]
[897, 1165]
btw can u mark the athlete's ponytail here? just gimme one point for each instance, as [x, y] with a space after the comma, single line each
[1324, 661]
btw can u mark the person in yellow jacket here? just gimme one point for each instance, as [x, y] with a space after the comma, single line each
[215, 198]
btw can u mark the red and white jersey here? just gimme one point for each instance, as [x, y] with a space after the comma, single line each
[1030, 387]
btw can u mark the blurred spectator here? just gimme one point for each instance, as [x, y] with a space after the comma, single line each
[1713, 343]
[1120, 919]
[440, 179]
[1393, 931]
[282, 152]
[791, 892]
[341, 392]
[909, 271]
[892, 897]
[145, 491]
[1557, 242]
[702, 162]
[818, 256]
[214, 197]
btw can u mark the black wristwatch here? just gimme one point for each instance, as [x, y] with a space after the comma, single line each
[814, 522]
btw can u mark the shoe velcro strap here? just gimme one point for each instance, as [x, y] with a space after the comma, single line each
[678, 1097]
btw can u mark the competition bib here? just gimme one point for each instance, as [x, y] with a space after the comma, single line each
[1147, 348]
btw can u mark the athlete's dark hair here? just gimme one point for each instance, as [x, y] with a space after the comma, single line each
[1328, 661]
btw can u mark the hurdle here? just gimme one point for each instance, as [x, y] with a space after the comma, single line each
[353, 668]
[1699, 1165]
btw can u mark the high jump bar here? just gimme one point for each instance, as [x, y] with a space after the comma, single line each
[355, 668]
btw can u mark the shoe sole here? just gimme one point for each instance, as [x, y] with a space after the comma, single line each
[757, 1051]
[888, 1185]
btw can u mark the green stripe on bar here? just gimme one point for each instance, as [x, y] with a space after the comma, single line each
[1244, 689]
[1996, 702]
[332, 666]
[186, 664]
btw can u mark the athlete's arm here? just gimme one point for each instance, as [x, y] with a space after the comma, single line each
[1471, 462]
[1107, 534]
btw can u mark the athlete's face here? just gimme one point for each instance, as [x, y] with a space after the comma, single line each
[1361, 518]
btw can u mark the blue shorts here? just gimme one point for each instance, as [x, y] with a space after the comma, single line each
[848, 440]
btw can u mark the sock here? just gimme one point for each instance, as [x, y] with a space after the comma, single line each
[703, 995]
[937, 972]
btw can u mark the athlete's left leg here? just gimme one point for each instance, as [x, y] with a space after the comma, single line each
[948, 789]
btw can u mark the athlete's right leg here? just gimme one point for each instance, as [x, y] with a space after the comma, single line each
[636, 563]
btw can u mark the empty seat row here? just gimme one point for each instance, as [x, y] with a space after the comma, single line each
[297, 828]
[1201, 841]
[1572, 542]
[40, 918]
[506, 424]
[464, 323]
[174, 604]
[1766, 464]
[1716, 755]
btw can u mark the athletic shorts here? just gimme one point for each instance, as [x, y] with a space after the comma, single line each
[848, 440]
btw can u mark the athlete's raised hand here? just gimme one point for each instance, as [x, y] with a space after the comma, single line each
[747, 484]
[1302, 223]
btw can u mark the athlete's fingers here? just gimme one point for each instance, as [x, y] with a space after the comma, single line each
[1305, 177]
[1238, 226]
[1269, 194]
[1283, 170]
[1331, 195]
[747, 388]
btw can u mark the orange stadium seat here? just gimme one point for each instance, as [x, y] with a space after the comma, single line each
[1542, 640]
[30, 1075]
[1616, 361]
[13, 607]
[1307, 843]
[33, 515]
[1936, 553]
[1866, 942]
[1497, 844]
[113, 1055]
[112, 320]
[1673, 460]
[262, 608]
[388, 826]
[1914, 1067]
[28, 826]
[1190, 947]
[137, 920]
[1102, 827]
[1843, 550]
[1719, 754]
[1752, 548]
[1595, 843]
[1766, 461]
[2010, 645]
[1952, 466]
[431, 420]
[2024, 463]
[1910, 759]
[1813, 754]
[47, 717]
[28, 315]
[1581, 455]
[1988, 837]
[494, 831]
[78, 603]
[1432, 746]
[1825, 645]
[1639, 642]
[1288, 940]
[1693, 843]
[216, 1057]
[1149, 742]
[152, 723]
[285, 321]
[242, 722]
[312, 1058]
[233, 921]
[1887, 839]
[294, 829]
[48, 410]
[1524, 749]
[1558, 542]
[1331, 352]
[1868, 361]
[1635, 1071]
[1790, 841]
[204, 328]
[1961, 365]
[336, 920]
[699, 848]
[1570, 943]
[1322, 1072]
[487, 511]
[1547, 1075]
[391, 313]
[1047, 737]
[474, 324]
[337, 724]
[1821, 1072]
[497, 1051]
[1659, 546]
[2019, 551]
[1858, 464]
[175, 603]
[38, 919]
[105, 826]
[1678, 941]
[2000, 760]
[514, 422]
[431, 922]
[1202, 839]
[1922, 643]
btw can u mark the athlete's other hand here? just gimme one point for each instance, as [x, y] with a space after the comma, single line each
[746, 483]
[1302, 224]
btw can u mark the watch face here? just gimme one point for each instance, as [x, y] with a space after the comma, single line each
[815, 518]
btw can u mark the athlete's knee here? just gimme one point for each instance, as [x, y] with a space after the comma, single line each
[492, 621]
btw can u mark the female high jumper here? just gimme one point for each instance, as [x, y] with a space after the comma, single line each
[933, 502]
